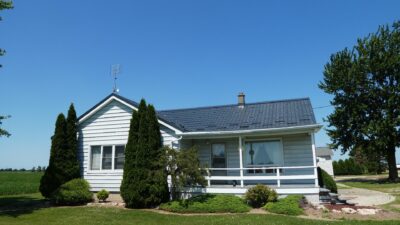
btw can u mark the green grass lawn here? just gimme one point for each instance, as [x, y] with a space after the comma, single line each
[30, 209]
[12, 183]
[376, 185]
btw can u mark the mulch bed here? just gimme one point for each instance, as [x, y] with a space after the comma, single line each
[340, 206]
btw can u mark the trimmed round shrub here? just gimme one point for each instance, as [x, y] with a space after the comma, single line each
[74, 192]
[259, 195]
[326, 181]
[207, 203]
[291, 205]
[102, 195]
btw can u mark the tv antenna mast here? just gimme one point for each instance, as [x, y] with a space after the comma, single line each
[115, 71]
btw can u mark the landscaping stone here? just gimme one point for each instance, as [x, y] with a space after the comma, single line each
[367, 211]
[349, 210]
[336, 211]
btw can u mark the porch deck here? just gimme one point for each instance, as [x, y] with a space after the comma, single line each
[305, 189]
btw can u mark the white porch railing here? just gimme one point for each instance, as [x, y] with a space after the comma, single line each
[275, 175]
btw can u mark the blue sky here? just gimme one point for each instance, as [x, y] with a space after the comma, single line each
[174, 53]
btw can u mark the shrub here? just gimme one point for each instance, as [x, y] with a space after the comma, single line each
[288, 206]
[183, 167]
[52, 179]
[144, 182]
[259, 195]
[102, 195]
[325, 180]
[207, 203]
[74, 192]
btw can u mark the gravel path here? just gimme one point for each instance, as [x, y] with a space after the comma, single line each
[365, 197]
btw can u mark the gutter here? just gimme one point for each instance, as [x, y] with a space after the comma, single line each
[314, 127]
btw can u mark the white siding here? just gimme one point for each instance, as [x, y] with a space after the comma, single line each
[109, 126]
[231, 151]
[297, 151]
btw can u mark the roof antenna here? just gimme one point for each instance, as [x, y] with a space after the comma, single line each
[115, 70]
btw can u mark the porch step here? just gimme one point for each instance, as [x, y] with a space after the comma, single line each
[327, 197]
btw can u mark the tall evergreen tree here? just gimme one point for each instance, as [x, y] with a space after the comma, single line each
[144, 181]
[134, 183]
[158, 184]
[71, 163]
[52, 177]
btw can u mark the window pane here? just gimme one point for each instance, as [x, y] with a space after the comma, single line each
[263, 153]
[218, 150]
[95, 158]
[107, 157]
[119, 157]
[218, 156]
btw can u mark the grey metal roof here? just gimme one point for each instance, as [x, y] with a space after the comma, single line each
[262, 115]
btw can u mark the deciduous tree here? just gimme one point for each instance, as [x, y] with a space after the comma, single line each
[365, 84]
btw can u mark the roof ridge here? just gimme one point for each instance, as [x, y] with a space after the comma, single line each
[229, 105]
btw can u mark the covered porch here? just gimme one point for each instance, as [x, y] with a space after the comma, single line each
[285, 161]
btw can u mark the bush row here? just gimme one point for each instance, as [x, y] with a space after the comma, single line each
[207, 203]
[257, 196]
[348, 167]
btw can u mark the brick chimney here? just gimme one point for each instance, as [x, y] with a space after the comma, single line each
[241, 100]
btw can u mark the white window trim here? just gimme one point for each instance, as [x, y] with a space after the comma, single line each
[101, 170]
[245, 141]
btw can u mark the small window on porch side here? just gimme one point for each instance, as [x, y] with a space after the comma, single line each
[218, 159]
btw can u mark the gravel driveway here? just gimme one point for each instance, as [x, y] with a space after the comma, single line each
[365, 197]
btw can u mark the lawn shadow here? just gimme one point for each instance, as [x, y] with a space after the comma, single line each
[15, 206]
[367, 180]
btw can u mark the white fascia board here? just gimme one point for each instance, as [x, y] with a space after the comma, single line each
[127, 104]
[313, 128]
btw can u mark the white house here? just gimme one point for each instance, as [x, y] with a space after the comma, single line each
[324, 159]
[241, 144]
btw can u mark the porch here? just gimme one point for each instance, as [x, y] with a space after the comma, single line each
[285, 162]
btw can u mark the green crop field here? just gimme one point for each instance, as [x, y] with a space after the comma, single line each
[13, 183]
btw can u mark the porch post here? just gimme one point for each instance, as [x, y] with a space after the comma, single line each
[241, 161]
[314, 158]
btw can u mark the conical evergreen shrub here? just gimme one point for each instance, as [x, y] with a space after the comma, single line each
[158, 184]
[134, 187]
[71, 163]
[144, 181]
[52, 178]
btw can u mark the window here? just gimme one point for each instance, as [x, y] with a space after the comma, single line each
[107, 158]
[95, 158]
[218, 156]
[110, 157]
[119, 158]
[218, 160]
[263, 153]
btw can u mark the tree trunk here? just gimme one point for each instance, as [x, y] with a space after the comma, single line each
[391, 159]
